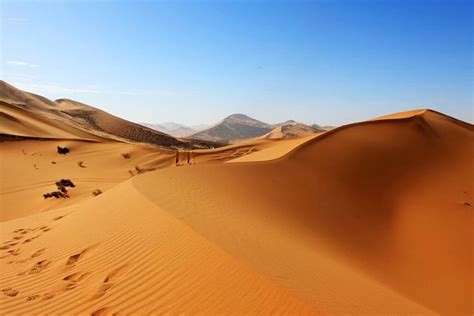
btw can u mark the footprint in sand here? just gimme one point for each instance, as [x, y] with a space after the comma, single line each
[76, 277]
[31, 239]
[34, 255]
[33, 297]
[102, 311]
[39, 266]
[45, 228]
[75, 258]
[72, 281]
[10, 292]
[109, 280]
[37, 253]
[14, 252]
[48, 296]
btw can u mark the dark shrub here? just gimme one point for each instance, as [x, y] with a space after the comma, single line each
[63, 150]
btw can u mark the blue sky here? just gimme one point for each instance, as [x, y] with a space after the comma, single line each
[325, 62]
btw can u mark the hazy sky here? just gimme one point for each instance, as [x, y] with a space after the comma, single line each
[325, 62]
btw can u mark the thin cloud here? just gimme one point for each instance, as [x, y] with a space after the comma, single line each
[21, 63]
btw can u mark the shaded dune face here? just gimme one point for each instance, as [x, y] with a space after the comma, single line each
[370, 218]
[390, 198]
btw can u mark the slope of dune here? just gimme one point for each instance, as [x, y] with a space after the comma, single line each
[369, 218]
[108, 124]
[291, 131]
[132, 258]
[388, 200]
[30, 168]
[271, 149]
[25, 114]
[16, 122]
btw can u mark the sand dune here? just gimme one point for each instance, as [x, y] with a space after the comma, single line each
[111, 254]
[390, 199]
[32, 167]
[369, 218]
[290, 131]
[28, 115]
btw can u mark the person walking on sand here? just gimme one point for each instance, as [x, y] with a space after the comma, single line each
[177, 157]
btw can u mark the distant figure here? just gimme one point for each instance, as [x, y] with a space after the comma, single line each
[177, 157]
[188, 156]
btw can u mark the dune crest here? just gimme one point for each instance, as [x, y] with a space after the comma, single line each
[373, 217]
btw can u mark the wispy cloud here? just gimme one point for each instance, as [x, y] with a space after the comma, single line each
[21, 63]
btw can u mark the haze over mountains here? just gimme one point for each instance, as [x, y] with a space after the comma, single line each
[370, 218]
[176, 129]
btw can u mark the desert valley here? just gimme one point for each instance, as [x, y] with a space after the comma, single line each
[103, 216]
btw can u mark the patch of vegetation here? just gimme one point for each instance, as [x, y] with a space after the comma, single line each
[63, 150]
[139, 170]
[62, 192]
[81, 164]
[96, 192]
[126, 155]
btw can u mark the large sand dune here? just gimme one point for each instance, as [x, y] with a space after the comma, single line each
[24, 114]
[389, 198]
[369, 218]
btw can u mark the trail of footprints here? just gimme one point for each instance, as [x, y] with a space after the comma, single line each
[71, 281]
[12, 249]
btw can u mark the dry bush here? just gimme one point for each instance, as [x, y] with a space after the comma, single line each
[141, 170]
[126, 155]
[81, 164]
[96, 192]
[62, 191]
[63, 150]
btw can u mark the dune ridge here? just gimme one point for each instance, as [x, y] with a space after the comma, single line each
[373, 217]
[372, 205]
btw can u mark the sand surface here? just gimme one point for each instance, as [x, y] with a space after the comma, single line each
[369, 218]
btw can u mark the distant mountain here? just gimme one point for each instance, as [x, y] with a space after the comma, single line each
[235, 126]
[175, 129]
[241, 126]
